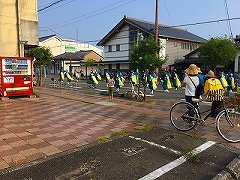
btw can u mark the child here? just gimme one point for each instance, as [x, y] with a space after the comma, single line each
[110, 86]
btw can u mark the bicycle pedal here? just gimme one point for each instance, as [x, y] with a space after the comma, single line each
[201, 122]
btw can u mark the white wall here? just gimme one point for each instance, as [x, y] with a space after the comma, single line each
[122, 39]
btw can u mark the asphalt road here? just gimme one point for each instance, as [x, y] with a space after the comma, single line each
[154, 154]
[158, 93]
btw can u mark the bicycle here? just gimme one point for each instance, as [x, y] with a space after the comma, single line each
[184, 116]
[132, 94]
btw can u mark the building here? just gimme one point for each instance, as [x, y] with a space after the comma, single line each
[19, 26]
[76, 61]
[118, 43]
[192, 57]
[68, 54]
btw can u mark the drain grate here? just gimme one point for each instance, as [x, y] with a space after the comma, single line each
[132, 151]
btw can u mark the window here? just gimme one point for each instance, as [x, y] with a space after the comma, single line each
[118, 47]
[118, 66]
[110, 48]
[175, 44]
[182, 45]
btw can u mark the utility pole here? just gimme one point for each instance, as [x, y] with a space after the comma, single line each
[156, 22]
[18, 29]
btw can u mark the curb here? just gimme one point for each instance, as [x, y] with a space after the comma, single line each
[232, 171]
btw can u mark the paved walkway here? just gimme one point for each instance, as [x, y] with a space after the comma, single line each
[33, 128]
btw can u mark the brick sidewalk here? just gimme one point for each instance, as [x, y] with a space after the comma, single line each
[60, 120]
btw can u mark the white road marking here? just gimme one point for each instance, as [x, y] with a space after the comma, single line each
[157, 145]
[159, 172]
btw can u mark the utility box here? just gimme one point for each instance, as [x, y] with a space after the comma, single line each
[16, 76]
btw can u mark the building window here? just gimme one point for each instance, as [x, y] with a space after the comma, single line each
[118, 66]
[182, 45]
[118, 47]
[175, 44]
[110, 48]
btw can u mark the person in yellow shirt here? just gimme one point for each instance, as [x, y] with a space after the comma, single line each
[214, 91]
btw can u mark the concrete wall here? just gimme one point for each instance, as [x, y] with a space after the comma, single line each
[18, 26]
[177, 49]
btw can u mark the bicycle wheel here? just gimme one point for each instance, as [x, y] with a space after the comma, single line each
[228, 125]
[130, 94]
[183, 116]
[139, 98]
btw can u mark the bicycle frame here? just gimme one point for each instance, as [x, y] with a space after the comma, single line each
[210, 113]
[185, 116]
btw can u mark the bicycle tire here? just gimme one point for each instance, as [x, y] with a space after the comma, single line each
[183, 116]
[139, 98]
[229, 129]
[130, 94]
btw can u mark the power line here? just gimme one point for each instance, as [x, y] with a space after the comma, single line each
[92, 14]
[85, 16]
[167, 11]
[50, 5]
[56, 7]
[207, 22]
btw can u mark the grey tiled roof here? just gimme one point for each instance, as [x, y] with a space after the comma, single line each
[166, 31]
[149, 27]
[46, 37]
[79, 55]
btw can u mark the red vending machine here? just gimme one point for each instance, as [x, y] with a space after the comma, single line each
[16, 77]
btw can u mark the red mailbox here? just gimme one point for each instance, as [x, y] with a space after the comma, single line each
[16, 76]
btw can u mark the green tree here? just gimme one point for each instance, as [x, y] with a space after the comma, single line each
[217, 51]
[43, 58]
[89, 62]
[145, 55]
[42, 55]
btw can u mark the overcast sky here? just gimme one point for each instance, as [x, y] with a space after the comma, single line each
[90, 20]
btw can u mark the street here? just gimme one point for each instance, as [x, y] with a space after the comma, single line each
[133, 157]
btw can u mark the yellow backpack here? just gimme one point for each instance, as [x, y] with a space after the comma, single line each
[215, 90]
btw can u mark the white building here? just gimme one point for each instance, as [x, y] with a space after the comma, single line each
[118, 43]
[59, 46]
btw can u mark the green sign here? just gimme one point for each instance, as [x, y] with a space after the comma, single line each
[70, 48]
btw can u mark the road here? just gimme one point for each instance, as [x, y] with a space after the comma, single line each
[158, 93]
[156, 154]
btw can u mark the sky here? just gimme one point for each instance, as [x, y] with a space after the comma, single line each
[88, 21]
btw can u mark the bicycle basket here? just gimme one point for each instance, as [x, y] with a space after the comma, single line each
[229, 102]
[237, 96]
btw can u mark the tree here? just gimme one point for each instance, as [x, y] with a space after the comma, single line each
[217, 51]
[43, 58]
[145, 55]
[89, 62]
